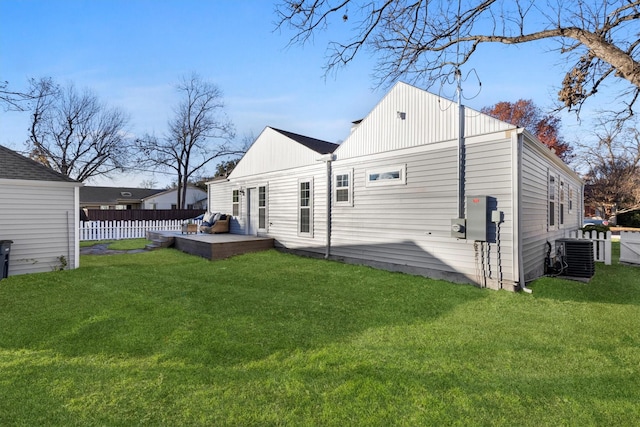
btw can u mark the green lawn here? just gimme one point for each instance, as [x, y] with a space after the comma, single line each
[164, 338]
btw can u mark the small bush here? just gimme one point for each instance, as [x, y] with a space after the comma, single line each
[598, 228]
[629, 219]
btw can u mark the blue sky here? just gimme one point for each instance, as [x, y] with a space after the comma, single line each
[131, 53]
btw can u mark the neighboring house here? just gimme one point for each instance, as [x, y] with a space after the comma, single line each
[196, 199]
[92, 197]
[403, 192]
[139, 198]
[39, 213]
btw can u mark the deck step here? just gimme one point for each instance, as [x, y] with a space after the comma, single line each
[158, 241]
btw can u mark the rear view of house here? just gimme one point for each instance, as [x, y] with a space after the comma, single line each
[39, 213]
[420, 185]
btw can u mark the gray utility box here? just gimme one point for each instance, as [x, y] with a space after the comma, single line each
[478, 218]
[5, 250]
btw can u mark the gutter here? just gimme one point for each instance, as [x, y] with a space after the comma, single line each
[518, 220]
[328, 158]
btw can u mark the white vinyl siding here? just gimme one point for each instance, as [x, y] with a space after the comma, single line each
[536, 208]
[429, 119]
[409, 225]
[42, 221]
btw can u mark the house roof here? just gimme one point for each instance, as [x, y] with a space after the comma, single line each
[317, 145]
[16, 166]
[109, 195]
[172, 190]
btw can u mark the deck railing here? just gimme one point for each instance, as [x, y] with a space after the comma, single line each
[116, 230]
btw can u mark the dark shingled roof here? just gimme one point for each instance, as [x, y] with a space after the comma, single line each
[16, 166]
[109, 195]
[317, 145]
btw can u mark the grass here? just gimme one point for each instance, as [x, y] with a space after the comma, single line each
[164, 338]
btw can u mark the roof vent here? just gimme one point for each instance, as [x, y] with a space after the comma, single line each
[125, 193]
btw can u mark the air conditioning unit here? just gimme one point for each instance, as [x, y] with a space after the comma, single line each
[576, 256]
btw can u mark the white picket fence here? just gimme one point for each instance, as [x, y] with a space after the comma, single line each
[601, 243]
[116, 230]
[630, 247]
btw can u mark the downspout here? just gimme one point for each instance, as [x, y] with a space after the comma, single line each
[516, 210]
[328, 158]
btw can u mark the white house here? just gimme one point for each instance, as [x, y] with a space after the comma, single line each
[195, 199]
[412, 189]
[39, 213]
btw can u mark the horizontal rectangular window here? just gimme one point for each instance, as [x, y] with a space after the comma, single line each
[389, 175]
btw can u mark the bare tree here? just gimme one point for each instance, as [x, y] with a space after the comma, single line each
[613, 169]
[198, 133]
[74, 134]
[427, 40]
[13, 100]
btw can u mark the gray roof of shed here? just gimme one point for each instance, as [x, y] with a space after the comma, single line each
[16, 166]
[317, 145]
[91, 194]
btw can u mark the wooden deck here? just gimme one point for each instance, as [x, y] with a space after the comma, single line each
[212, 246]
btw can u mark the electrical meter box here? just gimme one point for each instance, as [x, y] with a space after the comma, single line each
[478, 218]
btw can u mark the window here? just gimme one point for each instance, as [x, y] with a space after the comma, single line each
[174, 206]
[343, 189]
[562, 203]
[235, 203]
[389, 175]
[262, 207]
[552, 201]
[570, 199]
[305, 207]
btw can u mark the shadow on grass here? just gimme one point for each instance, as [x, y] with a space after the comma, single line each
[181, 307]
[612, 284]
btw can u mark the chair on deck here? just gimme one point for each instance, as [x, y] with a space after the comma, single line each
[214, 224]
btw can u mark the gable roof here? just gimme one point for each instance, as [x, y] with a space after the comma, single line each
[276, 150]
[173, 190]
[16, 166]
[317, 145]
[110, 195]
[408, 116]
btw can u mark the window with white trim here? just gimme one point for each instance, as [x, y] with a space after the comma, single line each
[570, 199]
[305, 207]
[235, 203]
[552, 201]
[388, 175]
[262, 207]
[343, 189]
[562, 203]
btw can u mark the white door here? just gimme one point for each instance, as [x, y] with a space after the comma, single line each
[252, 209]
